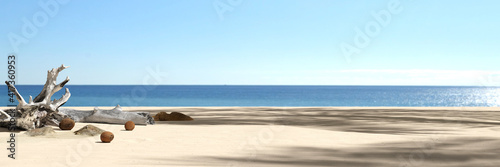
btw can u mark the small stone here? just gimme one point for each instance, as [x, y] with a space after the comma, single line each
[130, 125]
[40, 131]
[89, 130]
[67, 124]
[107, 137]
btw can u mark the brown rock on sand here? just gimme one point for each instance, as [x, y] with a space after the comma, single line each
[107, 137]
[40, 131]
[67, 124]
[177, 116]
[130, 125]
[89, 130]
[162, 116]
[173, 116]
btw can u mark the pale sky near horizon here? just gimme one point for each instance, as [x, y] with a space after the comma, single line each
[255, 42]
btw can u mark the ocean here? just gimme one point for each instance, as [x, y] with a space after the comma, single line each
[292, 96]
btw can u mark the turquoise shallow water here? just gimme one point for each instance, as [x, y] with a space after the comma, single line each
[140, 95]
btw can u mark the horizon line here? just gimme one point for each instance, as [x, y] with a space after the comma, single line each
[241, 85]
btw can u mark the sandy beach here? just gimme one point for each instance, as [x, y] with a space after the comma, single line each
[278, 136]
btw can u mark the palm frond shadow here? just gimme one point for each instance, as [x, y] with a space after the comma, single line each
[386, 121]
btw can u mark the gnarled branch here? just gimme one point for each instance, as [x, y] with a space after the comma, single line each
[40, 111]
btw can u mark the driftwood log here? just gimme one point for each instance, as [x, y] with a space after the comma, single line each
[43, 111]
[113, 116]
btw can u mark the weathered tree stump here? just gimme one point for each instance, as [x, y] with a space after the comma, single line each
[43, 111]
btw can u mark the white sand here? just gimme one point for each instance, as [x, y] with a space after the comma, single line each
[260, 136]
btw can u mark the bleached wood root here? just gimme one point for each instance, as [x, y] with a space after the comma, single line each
[42, 111]
[4, 117]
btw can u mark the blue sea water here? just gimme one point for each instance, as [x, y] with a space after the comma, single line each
[155, 95]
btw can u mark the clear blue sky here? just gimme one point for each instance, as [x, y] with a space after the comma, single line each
[280, 42]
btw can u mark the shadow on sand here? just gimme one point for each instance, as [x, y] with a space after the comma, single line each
[446, 149]
[457, 152]
[383, 121]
